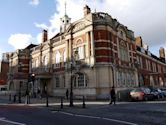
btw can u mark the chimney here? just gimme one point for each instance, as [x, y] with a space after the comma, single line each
[138, 41]
[87, 10]
[162, 52]
[44, 36]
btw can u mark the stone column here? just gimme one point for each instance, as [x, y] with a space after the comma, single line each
[92, 61]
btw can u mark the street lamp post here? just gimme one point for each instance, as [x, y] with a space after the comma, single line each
[27, 90]
[71, 88]
[73, 60]
[19, 93]
[33, 80]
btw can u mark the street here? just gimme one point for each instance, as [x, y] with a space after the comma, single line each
[129, 113]
[14, 115]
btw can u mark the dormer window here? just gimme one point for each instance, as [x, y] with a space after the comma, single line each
[121, 34]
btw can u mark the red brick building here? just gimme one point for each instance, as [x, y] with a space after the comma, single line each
[4, 68]
[19, 68]
[151, 69]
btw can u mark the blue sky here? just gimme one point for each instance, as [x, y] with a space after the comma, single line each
[22, 21]
[19, 16]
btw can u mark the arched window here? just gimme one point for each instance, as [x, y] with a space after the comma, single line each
[64, 56]
[123, 51]
[57, 57]
[80, 47]
[122, 34]
[37, 63]
[45, 60]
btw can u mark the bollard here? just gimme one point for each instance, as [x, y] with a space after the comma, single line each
[26, 99]
[46, 100]
[19, 98]
[29, 99]
[61, 102]
[83, 102]
[14, 98]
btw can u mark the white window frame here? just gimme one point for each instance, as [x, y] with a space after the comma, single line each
[80, 82]
[57, 57]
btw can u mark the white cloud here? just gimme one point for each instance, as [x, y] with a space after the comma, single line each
[42, 25]
[145, 18]
[20, 41]
[74, 10]
[39, 38]
[34, 2]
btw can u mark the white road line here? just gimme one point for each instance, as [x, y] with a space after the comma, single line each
[119, 121]
[87, 116]
[66, 113]
[95, 117]
[2, 118]
[54, 111]
[12, 122]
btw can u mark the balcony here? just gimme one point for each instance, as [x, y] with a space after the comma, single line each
[58, 65]
[41, 70]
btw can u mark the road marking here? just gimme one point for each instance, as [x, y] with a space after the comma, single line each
[119, 121]
[87, 116]
[2, 118]
[96, 117]
[66, 113]
[12, 122]
[54, 111]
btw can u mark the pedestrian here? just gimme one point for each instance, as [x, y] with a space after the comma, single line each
[112, 96]
[67, 94]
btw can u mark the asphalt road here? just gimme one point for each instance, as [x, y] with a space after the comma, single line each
[152, 113]
[23, 115]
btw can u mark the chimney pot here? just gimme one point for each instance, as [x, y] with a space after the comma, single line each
[44, 36]
[87, 10]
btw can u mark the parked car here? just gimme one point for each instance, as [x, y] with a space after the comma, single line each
[141, 94]
[163, 91]
[158, 94]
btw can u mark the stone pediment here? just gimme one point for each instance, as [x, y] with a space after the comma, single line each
[79, 26]
[128, 33]
[76, 27]
[46, 46]
[100, 16]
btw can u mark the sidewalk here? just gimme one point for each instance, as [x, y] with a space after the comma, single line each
[52, 101]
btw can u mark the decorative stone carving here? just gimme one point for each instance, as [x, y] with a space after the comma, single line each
[79, 26]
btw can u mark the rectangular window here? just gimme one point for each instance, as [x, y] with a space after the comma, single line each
[81, 81]
[159, 68]
[81, 52]
[57, 81]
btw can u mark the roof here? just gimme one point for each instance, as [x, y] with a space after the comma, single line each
[30, 46]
